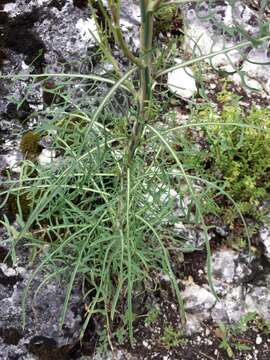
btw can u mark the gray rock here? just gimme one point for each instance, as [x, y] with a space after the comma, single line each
[130, 17]
[258, 299]
[224, 265]
[231, 307]
[68, 40]
[42, 332]
[207, 34]
[230, 267]
[181, 82]
[193, 324]
[264, 236]
[198, 300]
[232, 272]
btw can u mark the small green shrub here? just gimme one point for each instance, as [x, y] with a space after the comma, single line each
[152, 316]
[230, 335]
[233, 150]
[172, 337]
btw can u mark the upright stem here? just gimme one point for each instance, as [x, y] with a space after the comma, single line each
[146, 37]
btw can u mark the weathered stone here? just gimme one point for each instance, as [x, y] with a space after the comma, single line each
[198, 300]
[231, 307]
[42, 335]
[181, 82]
[207, 34]
[258, 299]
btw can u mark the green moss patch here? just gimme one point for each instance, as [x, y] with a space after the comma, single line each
[30, 146]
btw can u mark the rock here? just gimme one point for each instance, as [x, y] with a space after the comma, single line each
[264, 236]
[11, 161]
[223, 263]
[46, 157]
[258, 340]
[198, 300]
[88, 30]
[41, 34]
[181, 81]
[130, 17]
[231, 307]
[67, 40]
[231, 272]
[230, 267]
[42, 337]
[255, 69]
[192, 236]
[205, 34]
[258, 299]
[193, 324]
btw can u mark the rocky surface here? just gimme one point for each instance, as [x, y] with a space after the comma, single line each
[35, 39]
[235, 279]
[42, 337]
[182, 82]
[212, 26]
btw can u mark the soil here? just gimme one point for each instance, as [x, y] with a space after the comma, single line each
[151, 341]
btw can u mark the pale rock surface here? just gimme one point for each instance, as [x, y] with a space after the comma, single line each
[181, 81]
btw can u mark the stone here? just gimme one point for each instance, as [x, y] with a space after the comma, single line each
[264, 236]
[193, 324]
[223, 265]
[205, 34]
[230, 267]
[198, 300]
[258, 299]
[258, 340]
[88, 30]
[130, 17]
[231, 307]
[42, 333]
[181, 82]
[46, 157]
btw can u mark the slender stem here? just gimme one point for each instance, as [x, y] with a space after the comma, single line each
[115, 10]
[146, 35]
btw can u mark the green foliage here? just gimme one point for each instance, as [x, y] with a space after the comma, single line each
[152, 316]
[172, 337]
[230, 334]
[232, 149]
[263, 325]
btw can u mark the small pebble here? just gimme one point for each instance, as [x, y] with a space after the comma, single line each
[258, 340]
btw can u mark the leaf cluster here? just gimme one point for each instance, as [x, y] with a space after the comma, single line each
[232, 149]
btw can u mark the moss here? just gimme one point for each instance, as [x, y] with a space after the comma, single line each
[30, 146]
